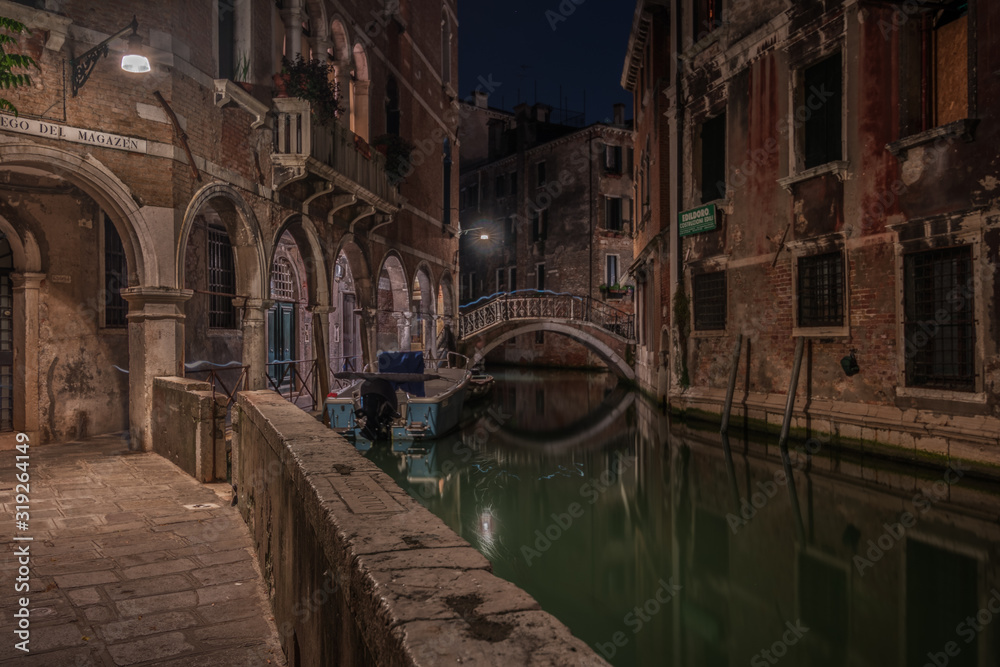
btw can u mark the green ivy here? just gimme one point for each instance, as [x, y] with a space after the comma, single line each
[311, 80]
[12, 61]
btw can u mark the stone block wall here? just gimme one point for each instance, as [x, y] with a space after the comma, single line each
[189, 427]
[355, 567]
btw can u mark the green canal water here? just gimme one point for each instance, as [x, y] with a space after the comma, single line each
[654, 550]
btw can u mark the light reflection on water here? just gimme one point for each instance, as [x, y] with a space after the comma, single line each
[628, 531]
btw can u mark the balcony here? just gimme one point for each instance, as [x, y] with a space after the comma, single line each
[336, 157]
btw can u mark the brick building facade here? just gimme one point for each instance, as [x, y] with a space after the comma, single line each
[248, 233]
[848, 152]
[555, 200]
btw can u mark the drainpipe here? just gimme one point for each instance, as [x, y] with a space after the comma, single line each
[676, 157]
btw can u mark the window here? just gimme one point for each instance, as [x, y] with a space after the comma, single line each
[822, 93]
[513, 182]
[115, 277]
[821, 290]
[221, 281]
[939, 319]
[511, 232]
[707, 17]
[469, 286]
[392, 106]
[282, 285]
[709, 291]
[227, 39]
[501, 284]
[473, 197]
[539, 224]
[611, 270]
[512, 278]
[500, 186]
[540, 276]
[713, 159]
[949, 65]
[613, 159]
[540, 173]
[613, 213]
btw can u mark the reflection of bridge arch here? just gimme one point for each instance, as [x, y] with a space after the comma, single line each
[607, 346]
[583, 433]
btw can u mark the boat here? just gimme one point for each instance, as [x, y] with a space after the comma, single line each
[403, 398]
[480, 386]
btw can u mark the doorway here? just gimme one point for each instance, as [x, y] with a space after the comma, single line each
[281, 342]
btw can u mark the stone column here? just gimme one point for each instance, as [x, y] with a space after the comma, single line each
[369, 335]
[155, 349]
[255, 341]
[321, 337]
[26, 397]
[291, 16]
[359, 108]
[404, 322]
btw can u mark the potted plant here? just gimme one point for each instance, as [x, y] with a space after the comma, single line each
[311, 80]
[241, 72]
[603, 287]
[616, 291]
[397, 151]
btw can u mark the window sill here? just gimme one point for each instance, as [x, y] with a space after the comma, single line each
[821, 332]
[709, 333]
[942, 395]
[838, 168]
[964, 129]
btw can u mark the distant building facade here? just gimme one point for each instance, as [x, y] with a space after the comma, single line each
[555, 200]
[823, 172]
[247, 233]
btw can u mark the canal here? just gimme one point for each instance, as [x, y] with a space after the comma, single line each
[652, 549]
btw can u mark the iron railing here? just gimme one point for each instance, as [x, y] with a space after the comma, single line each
[224, 380]
[295, 379]
[535, 305]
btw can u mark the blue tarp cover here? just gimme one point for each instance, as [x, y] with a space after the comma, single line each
[403, 362]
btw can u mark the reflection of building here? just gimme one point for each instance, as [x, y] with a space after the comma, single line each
[247, 233]
[555, 200]
[831, 181]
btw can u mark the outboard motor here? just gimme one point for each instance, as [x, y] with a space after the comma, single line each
[378, 408]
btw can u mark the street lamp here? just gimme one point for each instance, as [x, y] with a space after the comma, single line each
[133, 60]
[484, 234]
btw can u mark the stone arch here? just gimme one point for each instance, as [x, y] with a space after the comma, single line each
[350, 332]
[318, 25]
[244, 234]
[110, 193]
[306, 237]
[425, 310]
[340, 40]
[577, 333]
[393, 301]
[27, 256]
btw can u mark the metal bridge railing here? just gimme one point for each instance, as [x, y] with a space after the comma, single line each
[532, 305]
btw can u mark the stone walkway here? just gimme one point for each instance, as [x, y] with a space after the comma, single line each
[124, 571]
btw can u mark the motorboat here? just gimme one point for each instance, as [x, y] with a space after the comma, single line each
[404, 397]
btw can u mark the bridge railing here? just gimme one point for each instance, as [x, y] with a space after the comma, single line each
[530, 304]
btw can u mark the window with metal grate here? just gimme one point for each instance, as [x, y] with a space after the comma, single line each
[821, 290]
[709, 301]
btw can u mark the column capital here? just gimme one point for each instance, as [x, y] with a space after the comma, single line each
[26, 280]
[155, 303]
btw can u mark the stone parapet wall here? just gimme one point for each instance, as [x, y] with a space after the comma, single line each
[905, 433]
[188, 423]
[358, 572]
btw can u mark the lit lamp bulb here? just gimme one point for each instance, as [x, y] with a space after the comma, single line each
[484, 237]
[133, 60]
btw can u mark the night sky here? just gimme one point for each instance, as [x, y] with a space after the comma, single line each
[515, 42]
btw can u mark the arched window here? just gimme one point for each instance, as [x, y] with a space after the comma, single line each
[359, 93]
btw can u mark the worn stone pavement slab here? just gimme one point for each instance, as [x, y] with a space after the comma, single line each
[122, 573]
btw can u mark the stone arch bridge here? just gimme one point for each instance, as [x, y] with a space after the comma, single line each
[606, 330]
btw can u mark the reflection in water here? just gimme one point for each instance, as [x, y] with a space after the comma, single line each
[654, 551]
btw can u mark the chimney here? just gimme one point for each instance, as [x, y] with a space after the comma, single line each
[482, 99]
[619, 114]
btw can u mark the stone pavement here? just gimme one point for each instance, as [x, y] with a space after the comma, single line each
[122, 573]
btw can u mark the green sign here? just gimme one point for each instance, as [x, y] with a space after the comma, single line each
[697, 220]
